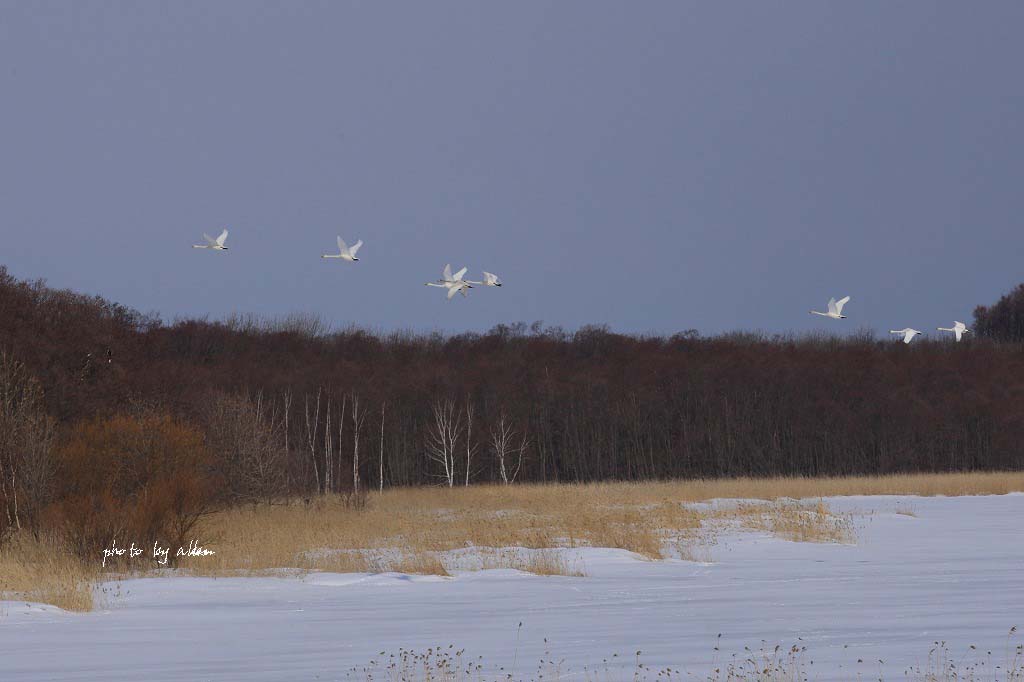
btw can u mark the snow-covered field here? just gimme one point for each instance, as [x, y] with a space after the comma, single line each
[953, 572]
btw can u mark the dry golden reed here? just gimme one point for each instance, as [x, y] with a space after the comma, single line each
[645, 518]
[796, 521]
[43, 571]
[422, 563]
[418, 530]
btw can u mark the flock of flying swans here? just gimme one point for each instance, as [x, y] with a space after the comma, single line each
[453, 283]
[456, 284]
[835, 311]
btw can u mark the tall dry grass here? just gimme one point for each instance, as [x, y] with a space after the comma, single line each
[796, 521]
[418, 530]
[645, 518]
[46, 571]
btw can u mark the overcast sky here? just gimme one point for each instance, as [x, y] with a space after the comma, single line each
[654, 166]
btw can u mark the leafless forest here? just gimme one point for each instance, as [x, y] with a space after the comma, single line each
[111, 420]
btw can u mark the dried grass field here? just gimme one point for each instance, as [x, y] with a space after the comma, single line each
[431, 530]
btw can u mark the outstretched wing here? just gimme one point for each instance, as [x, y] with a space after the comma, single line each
[210, 240]
[460, 274]
[447, 273]
[490, 277]
[909, 336]
[840, 303]
[222, 238]
[452, 291]
[355, 247]
[341, 246]
[958, 332]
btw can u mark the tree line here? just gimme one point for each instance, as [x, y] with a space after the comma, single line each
[287, 406]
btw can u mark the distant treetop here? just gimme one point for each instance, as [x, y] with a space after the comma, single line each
[1003, 321]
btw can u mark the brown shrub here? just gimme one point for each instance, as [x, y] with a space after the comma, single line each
[130, 479]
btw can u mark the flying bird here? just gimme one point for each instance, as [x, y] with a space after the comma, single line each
[458, 288]
[835, 309]
[908, 333]
[211, 243]
[345, 252]
[490, 280]
[958, 329]
[453, 283]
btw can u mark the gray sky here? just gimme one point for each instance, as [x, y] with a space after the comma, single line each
[655, 166]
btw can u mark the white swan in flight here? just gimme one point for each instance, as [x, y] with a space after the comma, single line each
[835, 308]
[211, 243]
[458, 288]
[490, 280]
[908, 333]
[453, 283]
[447, 278]
[958, 329]
[345, 252]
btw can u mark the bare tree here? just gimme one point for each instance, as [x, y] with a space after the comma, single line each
[312, 427]
[27, 435]
[328, 452]
[357, 425]
[341, 434]
[503, 443]
[37, 468]
[248, 441]
[287, 412]
[443, 437]
[470, 445]
[381, 457]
